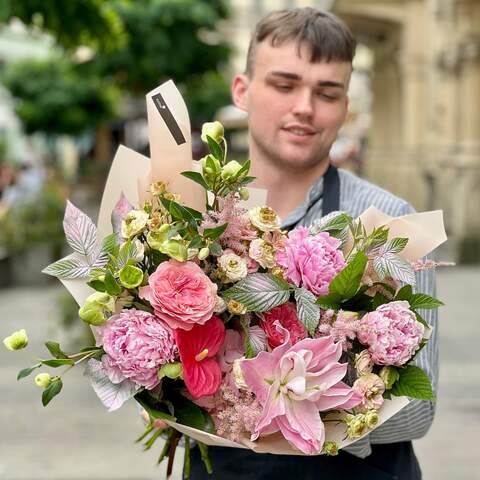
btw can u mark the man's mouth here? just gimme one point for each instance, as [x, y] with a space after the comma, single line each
[300, 130]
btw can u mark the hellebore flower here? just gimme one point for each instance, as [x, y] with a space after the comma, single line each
[294, 384]
[197, 348]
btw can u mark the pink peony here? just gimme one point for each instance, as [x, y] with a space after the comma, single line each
[392, 333]
[311, 261]
[181, 294]
[370, 387]
[293, 384]
[137, 344]
[286, 315]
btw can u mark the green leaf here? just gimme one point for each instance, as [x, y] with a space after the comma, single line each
[421, 300]
[405, 293]
[216, 249]
[189, 414]
[180, 212]
[111, 285]
[330, 301]
[197, 178]
[246, 181]
[55, 350]
[379, 299]
[153, 412]
[395, 245]
[244, 170]
[52, 390]
[58, 362]
[196, 242]
[347, 282]
[68, 268]
[413, 383]
[308, 311]
[97, 285]
[391, 265]
[27, 371]
[214, 233]
[215, 149]
[260, 292]
[377, 239]
[422, 320]
[109, 244]
[335, 222]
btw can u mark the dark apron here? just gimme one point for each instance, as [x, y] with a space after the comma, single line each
[393, 461]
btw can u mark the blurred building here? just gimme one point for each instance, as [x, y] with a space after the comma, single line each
[423, 64]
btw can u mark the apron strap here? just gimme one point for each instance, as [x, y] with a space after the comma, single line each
[331, 191]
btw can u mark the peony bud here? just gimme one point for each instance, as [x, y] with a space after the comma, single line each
[43, 380]
[16, 341]
[389, 375]
[214, 130]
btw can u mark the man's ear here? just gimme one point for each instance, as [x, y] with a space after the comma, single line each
[240, 91]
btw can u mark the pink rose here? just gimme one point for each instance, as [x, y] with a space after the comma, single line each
[286, 315]
[181, 294]
[311, 261]
[370, 387]
[392, 333]
[136, 344]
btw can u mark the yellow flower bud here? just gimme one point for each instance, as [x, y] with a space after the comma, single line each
[16, 341]
[330, 449]
[371, 418]
[244, 194]
[236, 308]
[43, 380]
[203, 253]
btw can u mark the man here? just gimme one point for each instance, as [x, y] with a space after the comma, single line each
[295, 92]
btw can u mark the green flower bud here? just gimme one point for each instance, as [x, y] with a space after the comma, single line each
[130, 276]
[356, 426]
[102, 300]
[330, 449]
[92, 314]
[43, 380]
[389, 375]
[371, 418]
[244, 194]
[230, 171]
[171, 370]
[156, 239]
[176, 250]
[203, 253]
[16, 341]
[214, 130]
[211, 168]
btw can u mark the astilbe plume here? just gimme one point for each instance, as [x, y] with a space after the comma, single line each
[239, 230]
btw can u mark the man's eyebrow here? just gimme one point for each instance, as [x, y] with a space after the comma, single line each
[294, 76]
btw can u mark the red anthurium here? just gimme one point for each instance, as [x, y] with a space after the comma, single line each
[197, 348]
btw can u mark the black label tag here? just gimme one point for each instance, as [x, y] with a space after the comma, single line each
[168, 118]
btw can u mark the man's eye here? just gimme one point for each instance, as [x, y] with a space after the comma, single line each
[328, 98]
[283, 87]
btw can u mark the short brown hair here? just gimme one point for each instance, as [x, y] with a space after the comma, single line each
[327, 36]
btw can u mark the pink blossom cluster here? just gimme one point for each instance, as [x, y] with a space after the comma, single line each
[311, 261]
[342, 327]
[392, 333]
[137, 343]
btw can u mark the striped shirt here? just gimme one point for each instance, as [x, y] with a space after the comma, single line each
[356, 195]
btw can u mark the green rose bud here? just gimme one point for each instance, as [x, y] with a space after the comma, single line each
[92, 314]
[43, 380]
[134, 223]
[203, 253]
[171, 370]
[371, 418]
[389, 375]
[16, 341]
[230, 171]
[130, 276]
[214, 130]
[244, 194]
[330, 449]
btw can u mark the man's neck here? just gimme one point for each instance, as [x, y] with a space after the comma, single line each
[286, 188]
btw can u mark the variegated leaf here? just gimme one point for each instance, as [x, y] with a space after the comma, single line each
[260, 292]
[392, 265]
[80, 231]
[308, 311]
[109, 247]
[120, 211]
[335, 221]
[127, 252]
[68, 268]
[112, 395]
[257, 339]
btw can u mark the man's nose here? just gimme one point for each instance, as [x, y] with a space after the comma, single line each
[303, 106]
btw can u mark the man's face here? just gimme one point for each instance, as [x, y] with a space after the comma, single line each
[295, 107]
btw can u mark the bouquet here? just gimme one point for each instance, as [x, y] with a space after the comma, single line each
[225, 328]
